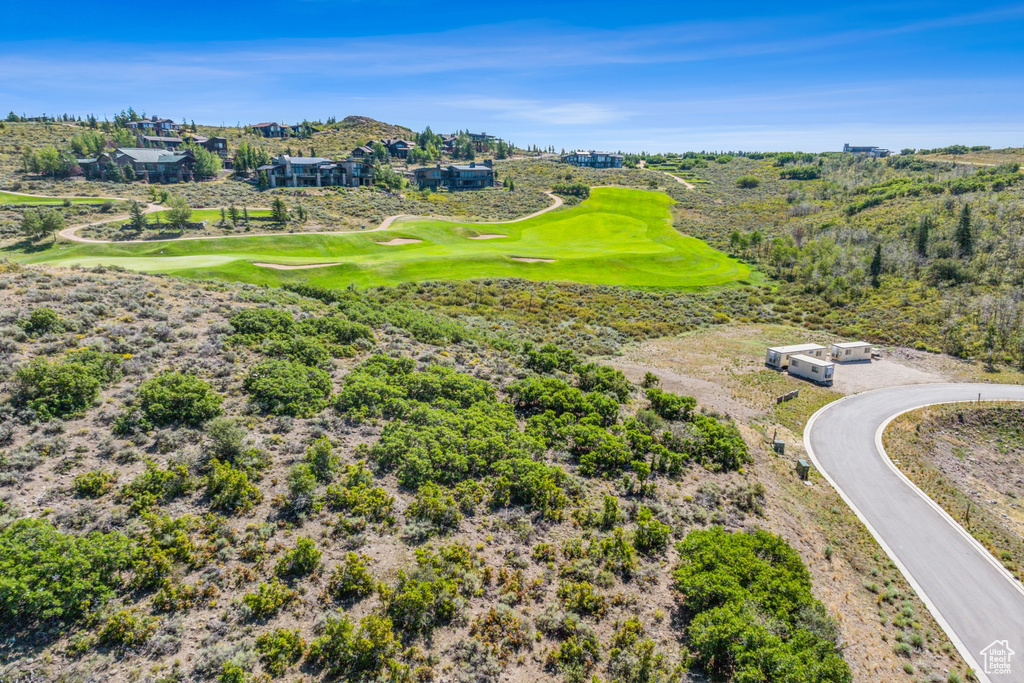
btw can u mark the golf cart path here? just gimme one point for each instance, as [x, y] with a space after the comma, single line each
[71, 234]
[973, 598]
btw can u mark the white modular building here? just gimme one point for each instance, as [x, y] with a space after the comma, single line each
[816, 370]
[850, 352]
[778, 356]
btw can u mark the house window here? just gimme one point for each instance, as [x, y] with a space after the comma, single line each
[814, 370]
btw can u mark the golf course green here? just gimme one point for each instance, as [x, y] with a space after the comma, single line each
[618, 237]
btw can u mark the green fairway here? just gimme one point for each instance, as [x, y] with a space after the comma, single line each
[20, 199]
[618, 236]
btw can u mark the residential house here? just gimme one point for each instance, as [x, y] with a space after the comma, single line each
[357, 173]
[873, 152]
[471, 176]
[159, 141]
[288, 171]
[272, 129]
[398, 148]
[153, 165]
[154, 125]
[593, 159]
[362, 152]
[217, 145]
[481, 141]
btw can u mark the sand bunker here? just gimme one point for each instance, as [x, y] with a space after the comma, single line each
[301, 266]
[400, 240]
[488, 236]
[524, 259]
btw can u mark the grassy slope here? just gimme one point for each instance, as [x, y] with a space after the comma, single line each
[619, 236]
[20, 199]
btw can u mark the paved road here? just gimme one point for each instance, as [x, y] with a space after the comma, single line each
[972, 597]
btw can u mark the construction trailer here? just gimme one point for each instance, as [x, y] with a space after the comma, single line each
[851, 352]
[778, 356]
[814, 369]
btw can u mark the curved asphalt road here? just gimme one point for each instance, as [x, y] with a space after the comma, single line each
[974, 599]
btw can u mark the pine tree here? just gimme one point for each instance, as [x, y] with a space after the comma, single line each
[964, 237]
[136, 216]
[923, 229]
[876, 265]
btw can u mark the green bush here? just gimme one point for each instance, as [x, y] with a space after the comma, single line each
[582, 598]
[435, 504]
[286, 388]
[321, 458]
[301, 560]
[651, 535]
[259, 322]
[351, 655]
[302, 488]
[279, 649]
[536, 395]
[176, 398]
[155, 485]
[226, 439]
[304, 350]
[229, 489]
[751, 611]
[47, 576]
[356, 496]
[268, 599]
[55, 390]
[127, 628]
[43, 321]
[670, 406]
[94, 484]
[351, 579]
[747, 182]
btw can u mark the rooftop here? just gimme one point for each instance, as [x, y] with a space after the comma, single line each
[796, 348]
[852, 345]
[810, 360]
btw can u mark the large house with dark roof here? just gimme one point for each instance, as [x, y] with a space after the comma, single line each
[272, 129]
[593, 159]
[288, 171]
[154, 125]
[149, 164]
[873, 152]
[471, 176]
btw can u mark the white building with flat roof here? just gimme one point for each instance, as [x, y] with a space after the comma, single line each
[814, 369]
[850, 352]
[778, 356]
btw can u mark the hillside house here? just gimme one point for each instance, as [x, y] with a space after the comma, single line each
[471, 176]
[873, 152]
[288, 171]
[593, 159]
[159, 141]
[398, 148]
[154, 125]
[362, 152]
[357, 173]
[149, 164]
[778, 356]
[816, 370]
[272, 129]
[851, 352]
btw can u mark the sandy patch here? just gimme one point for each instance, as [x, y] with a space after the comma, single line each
[299, 266]
[399, 240]
[524, 259]
[487, 236]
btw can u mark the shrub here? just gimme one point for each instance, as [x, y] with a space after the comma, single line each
[231, 672]
[603, 379]
[356, 497]
[49, 576]
[156, 485]
[229, 489]
[576, 656]
[279, 649]
[302, 488]
[55, 390]
[94, 484]
[735, 586]
[419, 605]
[321, 459]
[43, 321]
[127, 628]
[259, 322]
[176, 398]
[226, 439]
[747, 182]
[670, 406]
[303, 350]
[268, 599]
[351, 655]
[582, 599]
[351, 579]
[651, 535]
[436, 505]
[286, 388]
[537, 395]
[301, 560]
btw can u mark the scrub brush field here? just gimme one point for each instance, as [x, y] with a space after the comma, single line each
[616, 237]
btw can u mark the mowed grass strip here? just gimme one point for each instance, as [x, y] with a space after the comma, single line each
[618, 236]
[198, 216]
[14, 199]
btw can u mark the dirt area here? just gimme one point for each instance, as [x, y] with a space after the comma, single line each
[301, 266]
[489, 236]
[524, 259]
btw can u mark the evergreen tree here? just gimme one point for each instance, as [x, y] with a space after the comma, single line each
[924, 227]
[964, 237]
[876, 265]
[279, 210]
[136, 216]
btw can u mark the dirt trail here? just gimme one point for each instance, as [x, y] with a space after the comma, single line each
[689, 186]
[71, 234]
[301, 266]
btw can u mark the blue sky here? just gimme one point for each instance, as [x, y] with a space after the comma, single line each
[654, 76]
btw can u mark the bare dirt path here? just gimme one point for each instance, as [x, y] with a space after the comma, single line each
[71, 234]
[689, 186]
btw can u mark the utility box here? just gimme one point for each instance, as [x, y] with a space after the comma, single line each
[803, 468]
[779, 446]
